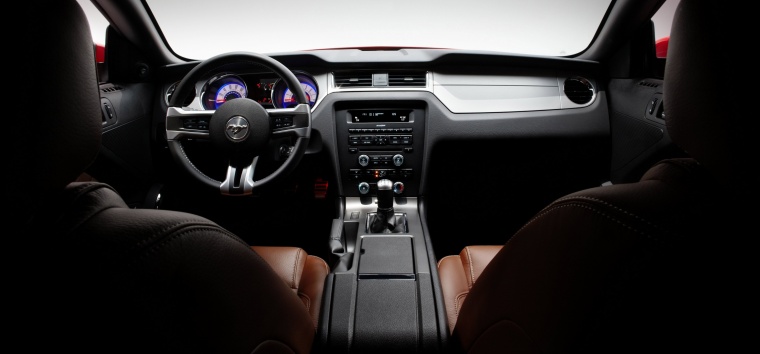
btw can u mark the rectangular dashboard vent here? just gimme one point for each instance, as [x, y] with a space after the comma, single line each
[353, 79]
[407, 79]
[109, 88]
[380, 79]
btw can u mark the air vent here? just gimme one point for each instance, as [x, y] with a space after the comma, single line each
[579, 90]
[407, 79]
[648, 84]
[353, 79]
[170, 92]
[111, 88]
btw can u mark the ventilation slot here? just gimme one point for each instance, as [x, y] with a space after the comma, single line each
[409, 79]
[353, 80]
[170, 92]
[648, 84]
[111, 88]
[579, 90]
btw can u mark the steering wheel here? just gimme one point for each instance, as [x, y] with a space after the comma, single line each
[240, 128]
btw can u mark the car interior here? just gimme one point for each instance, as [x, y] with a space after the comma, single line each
[382, 199]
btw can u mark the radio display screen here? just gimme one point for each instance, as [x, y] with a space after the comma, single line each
[380, 115]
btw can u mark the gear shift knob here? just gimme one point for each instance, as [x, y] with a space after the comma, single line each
[384, 195]
[385, 220]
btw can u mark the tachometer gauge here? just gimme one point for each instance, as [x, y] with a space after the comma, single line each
[222, 88]
[282, 96]
[311, 95]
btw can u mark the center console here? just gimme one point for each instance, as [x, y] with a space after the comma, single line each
[380, 296]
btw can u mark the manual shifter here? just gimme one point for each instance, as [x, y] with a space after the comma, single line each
[386, 220]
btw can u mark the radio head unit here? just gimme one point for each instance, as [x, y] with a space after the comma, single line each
[381, 142]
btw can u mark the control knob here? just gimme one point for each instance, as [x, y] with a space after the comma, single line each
[398, 159]
[364, 160]
[364, 188]
[398, 187]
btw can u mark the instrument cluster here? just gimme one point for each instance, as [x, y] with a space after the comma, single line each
[268, 90]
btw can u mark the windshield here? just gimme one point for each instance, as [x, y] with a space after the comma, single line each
[200, 29]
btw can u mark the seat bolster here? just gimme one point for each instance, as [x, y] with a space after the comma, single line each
[304, 274]
[287, 262]
[315, 272]
[475, 259]
[453, 285]
[458, 273]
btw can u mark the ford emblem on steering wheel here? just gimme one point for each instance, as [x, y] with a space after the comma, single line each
[237, 128]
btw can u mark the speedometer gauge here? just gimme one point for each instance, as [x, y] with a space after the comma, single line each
[283, 97]
[229, 91]
[221, 89]
[311, 95]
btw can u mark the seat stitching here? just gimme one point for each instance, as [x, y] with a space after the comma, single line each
[469, 263]
[295, 269]
[647, 235]
[163, 231]
[456, 303]
[609, 205]
[85, 188]
[189, 230]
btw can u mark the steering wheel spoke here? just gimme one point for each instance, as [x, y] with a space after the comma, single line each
[239, 180]
[294, 121]
[181, 123]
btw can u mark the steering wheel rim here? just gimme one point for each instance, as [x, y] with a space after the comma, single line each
[240, 128]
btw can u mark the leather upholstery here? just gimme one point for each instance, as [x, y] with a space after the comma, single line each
[458, 274]
[711, 129]
[53, 143]
[161, 280]
[638, 267]
[304, 274]
[602, 267]
[99, 276]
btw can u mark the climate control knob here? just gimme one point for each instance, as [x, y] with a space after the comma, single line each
[364, 160]
[364, 188]
[398, 159]
[398, 187]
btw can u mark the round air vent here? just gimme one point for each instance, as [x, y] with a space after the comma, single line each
[170, 91]
[579, 90]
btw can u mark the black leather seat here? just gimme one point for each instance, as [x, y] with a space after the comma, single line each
[98, 276]
[651, 266]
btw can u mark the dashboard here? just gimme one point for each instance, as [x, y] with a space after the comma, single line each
[498, 92]
[380, 120]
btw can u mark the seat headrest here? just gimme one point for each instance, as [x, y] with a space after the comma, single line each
[703, 96]
[60, 134]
